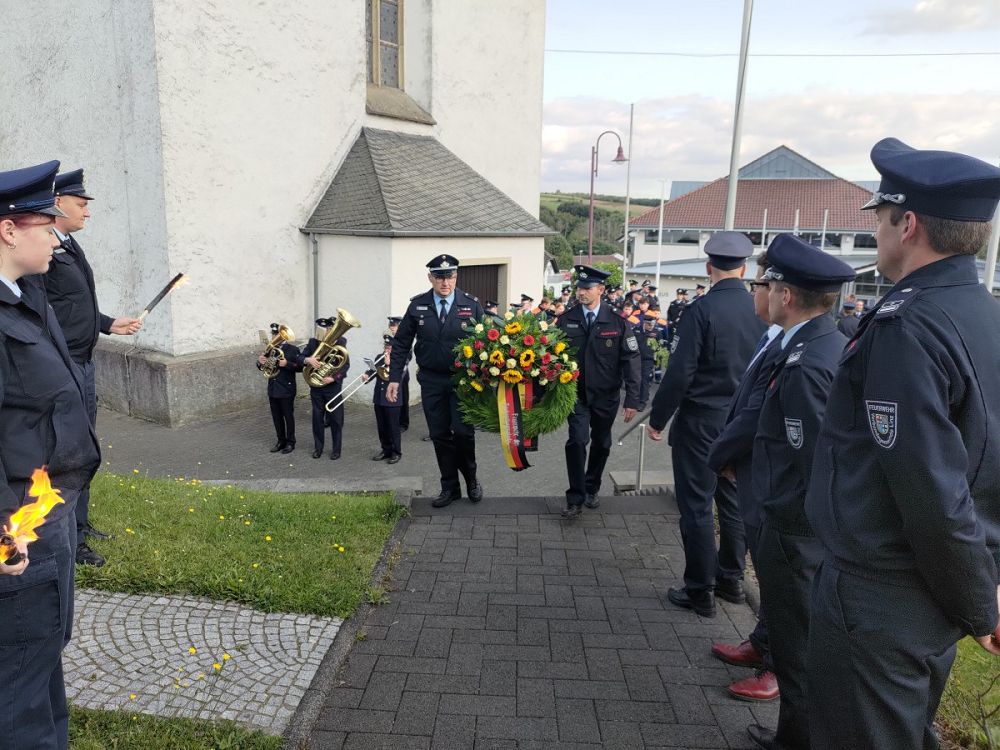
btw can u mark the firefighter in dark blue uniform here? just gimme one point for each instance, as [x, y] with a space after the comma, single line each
[674, 311]
[69, 286]
[731, 456]
[281, 394]
[715, 340]
[321, 395]
[386, 412]
[804, 283]
[404, 398]
[43, 422]
[607, 354]
[906, 479]
[847, 321]
[435, 321]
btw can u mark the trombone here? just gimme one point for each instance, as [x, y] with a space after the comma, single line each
[349, 389]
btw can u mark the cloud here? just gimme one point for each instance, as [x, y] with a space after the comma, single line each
[688, 137]
[934, 17]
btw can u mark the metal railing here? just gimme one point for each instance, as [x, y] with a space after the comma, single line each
[640, 421]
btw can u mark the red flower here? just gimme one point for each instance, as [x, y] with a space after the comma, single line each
[473, 367]
[513, 351]
[526, 368]
[558, 365]
[493, 334]
[576, 374]
[458, 365]
[546, 358]
[478, 345]
[544, 339]
[529, 340]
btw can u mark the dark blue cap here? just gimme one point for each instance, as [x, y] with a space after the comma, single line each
[728, 250]
[395, 320]
[29, 190]
[490, 303]
[71, 183]
[443, 265]
[526, 298]
[800, 264]
[587, 276]
[936, 183]
[681, 290]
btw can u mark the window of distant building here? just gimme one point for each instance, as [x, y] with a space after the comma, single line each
[384, 29]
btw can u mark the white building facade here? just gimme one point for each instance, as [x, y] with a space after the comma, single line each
[210, 131]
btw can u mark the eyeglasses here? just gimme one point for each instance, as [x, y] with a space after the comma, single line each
[755, 285]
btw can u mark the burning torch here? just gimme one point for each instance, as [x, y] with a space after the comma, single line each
[171, 285]
[23, 522]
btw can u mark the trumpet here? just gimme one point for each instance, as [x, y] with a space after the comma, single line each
[272, 351]
[332, 356]
[381, 367]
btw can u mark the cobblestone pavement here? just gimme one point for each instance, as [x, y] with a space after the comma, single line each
[125, 644]
[522, 631]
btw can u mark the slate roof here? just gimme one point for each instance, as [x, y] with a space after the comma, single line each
[398, 185]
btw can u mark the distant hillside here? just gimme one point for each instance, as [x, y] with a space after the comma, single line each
[637, 206]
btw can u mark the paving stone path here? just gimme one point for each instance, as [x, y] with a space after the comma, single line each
[508, 628]
[131, 645]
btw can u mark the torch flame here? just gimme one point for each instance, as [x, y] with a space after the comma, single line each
[27, 518]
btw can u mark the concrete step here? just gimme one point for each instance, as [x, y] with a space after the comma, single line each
[660, 482]
[501, 506]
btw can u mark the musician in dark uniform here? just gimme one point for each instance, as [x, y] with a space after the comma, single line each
[731, 456]
[386, 412]
[69, 286]
[803, 286]
[432, 326]
[321, 418]
[847, 321]
[281, 393]
[404, 399]
[44, 421]
[607, 354]
[905, 494]
[715, 340]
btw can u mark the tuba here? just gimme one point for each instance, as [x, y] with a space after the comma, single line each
[332, 356]
[272, 351]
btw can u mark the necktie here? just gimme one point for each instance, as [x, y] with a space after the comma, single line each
[590, 319]
[444, 310]
[760, 345]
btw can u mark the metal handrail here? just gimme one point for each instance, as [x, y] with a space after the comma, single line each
[640, 421]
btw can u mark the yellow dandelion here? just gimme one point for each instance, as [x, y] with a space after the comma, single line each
[132, 696]
[246, 523]
[255, 565]
[129, 531]
[226, 657]
[341, 549]
[216, 666]
[134, 717]
[222, 518]
[201, 676]
[190, 510]
[135, 471]
[192, 650]
[267, 538]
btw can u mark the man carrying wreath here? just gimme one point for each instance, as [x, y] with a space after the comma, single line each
[607, 355]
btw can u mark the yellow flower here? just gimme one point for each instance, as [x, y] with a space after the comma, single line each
[216, 666]
[467, 351]
[132, 696]
[496, 357]
[341, 549]
[267, 538]
[135, 471]
[190, 510]
[477, 385]
[512, 327]
[246, 523]
[512, 376]
[222, 518]
[226, 657]
[559, 348]
[192, 650]
[527, 357]
[201, 676]
[565, 377]
[256, 565]
[129, 531]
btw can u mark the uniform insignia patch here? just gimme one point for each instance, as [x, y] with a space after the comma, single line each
[422, 307]
[890, 307]
[793, 430]
[794, 357]
[882, 420]
[609, 343]
[631, 343]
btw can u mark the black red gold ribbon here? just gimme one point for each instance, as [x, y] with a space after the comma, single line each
[512, 401]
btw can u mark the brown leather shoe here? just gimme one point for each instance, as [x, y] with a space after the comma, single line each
[763, 686]
[743, 655]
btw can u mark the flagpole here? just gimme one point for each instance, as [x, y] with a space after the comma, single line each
[734, 156]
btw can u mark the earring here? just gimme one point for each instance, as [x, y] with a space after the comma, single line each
[12, 247]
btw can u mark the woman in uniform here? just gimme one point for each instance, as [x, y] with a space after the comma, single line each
[43, 423]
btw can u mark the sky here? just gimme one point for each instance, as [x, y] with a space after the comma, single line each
[907, 73]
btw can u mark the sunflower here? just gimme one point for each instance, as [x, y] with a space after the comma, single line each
[512, 327]
[512, 376]
[497, 357]
[477, 385]
[565, 377]
[527, 358]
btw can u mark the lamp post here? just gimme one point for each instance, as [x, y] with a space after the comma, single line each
[619, 159]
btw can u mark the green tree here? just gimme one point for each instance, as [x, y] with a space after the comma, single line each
[614, 269]
[559, 247]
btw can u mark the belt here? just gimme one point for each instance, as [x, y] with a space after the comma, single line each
[898, 577]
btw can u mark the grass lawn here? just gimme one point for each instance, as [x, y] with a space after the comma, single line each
[972, 689]
[311, 554]
[121, 730]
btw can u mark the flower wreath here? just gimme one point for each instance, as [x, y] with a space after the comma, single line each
[522, 355]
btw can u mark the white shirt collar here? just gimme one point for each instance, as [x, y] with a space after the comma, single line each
[12, 285]
[791, 332]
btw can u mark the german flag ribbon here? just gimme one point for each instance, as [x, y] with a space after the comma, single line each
[510, 400]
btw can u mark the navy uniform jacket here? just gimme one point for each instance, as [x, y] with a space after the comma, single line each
[794, 403]
[715, 338]
[283, 385]
[907, 469]
[848, 324]
[645, 350]
[69, 285]
[734, 447]
[607, 356]
[43, 417]
[338, 378]
[434, 342]
[674, 311]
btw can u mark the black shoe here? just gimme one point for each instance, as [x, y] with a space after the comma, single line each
[394, 458]
[278, 446]
[571, 512]
[335, 456]
[447, 497]
[730, 589]
[317, 453]
[381, 456]
[475, 491]
[703, 603]
[94, 533]
[288, 448]
[404, 427]
[86, 556]
[426, 438]
[761, 736]
[592, 501]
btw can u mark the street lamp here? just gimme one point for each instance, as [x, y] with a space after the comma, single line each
[620, 158]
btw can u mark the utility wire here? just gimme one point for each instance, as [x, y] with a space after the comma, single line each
[770, 54]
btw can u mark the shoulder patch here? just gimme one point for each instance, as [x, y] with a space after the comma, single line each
[632, 344]
[793, 431]
[895, 303]
[882, 417]
[796, 355]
